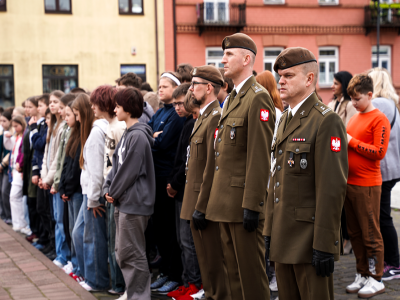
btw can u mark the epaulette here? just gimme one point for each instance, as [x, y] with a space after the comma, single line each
[322, 108]
[258, 88]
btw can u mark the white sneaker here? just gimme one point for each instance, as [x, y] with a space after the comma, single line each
[68, 268]
[124, 296]
[26, 231]
[273, 285]
[58, 263]
[358, 283]
[199, 295]
[89, 288]
[371, 288]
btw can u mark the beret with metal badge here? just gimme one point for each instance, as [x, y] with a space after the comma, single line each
[209, 73]
[293, 56]
[239, 40]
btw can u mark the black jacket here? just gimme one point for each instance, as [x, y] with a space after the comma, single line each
[39, 134]
[70, 181]
[177, 177]
[27, 166]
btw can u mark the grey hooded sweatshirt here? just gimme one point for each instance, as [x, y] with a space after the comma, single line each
[148, 112]
[131, 181]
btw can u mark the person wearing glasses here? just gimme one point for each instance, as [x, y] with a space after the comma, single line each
[242, 160]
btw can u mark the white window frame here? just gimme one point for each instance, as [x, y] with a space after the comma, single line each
[216, 11]
[327, 60]
[269, 2]
[271, 59]
[331, 2]
[387, 57]
[213, 59]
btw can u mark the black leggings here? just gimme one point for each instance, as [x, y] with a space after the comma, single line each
[388, 231]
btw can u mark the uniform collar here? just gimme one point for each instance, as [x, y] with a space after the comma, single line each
[296, 108]
[240, 85]
[205, 107]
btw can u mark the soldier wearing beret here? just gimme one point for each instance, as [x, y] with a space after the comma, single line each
[242, 159]
[205, 86]
[308, 184]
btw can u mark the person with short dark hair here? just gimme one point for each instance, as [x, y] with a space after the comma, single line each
[226, 89]
[146, 87]
[184, 70]
[130, 187]
[167, 126]
[129, 80]
[368, 135]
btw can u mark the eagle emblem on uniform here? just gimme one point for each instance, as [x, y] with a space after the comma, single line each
[264, 115]
[336, 144]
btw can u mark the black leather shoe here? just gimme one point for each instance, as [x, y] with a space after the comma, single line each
[51, 255]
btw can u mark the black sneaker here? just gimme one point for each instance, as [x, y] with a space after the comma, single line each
[52, 255]
[390, 273]
[47, 249]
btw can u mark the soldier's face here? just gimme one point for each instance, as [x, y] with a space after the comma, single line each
[199, 90]
[233, 60]
[293, 83]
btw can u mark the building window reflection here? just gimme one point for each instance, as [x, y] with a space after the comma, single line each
[139, 70]
[57, 6]
[131, 7]
[7, 97]
[60, 77]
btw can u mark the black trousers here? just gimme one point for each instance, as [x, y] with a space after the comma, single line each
[165, 232]
[34, 219]
[389, 234]
[343, 224]
[44, 212]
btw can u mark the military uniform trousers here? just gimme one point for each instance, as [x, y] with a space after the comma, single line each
[211, 261]
[244, 256]
[300, 282]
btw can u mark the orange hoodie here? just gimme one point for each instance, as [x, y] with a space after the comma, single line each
[370, 132]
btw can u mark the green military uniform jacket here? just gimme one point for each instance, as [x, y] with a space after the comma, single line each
[305, 201]
[201, 162]
[242, 155]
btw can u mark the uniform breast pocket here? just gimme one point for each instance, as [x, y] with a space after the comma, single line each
[298, 158]
[235, 133]
[198, 146]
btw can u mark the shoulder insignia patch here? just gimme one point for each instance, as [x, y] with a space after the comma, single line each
[323, 109]
[215, 112]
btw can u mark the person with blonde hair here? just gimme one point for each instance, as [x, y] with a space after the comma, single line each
[385, 99]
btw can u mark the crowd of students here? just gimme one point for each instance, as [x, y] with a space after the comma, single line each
[100, 176]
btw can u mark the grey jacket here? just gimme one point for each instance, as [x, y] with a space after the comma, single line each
[131, 181]
[148, 112]
[390, 164]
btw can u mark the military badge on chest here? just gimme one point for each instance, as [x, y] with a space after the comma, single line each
[233, 133]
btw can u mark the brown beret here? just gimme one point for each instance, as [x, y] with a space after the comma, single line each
[209, 73]
[239, 40]
[293, 56]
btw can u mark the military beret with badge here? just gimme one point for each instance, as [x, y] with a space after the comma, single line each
[239, 40]
[209, 73]
[293, 56]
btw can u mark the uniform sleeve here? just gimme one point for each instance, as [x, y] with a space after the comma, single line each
[269, 211]
[377, 150]
[208, 174]
[331, 170]
[260, 134]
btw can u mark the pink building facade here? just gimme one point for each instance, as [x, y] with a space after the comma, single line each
[341, 33]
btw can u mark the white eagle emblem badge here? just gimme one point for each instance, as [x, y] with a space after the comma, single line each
[335, 144]
[264, 115]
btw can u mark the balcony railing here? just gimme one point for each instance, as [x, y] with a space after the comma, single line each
[221, 15]
[389, 17]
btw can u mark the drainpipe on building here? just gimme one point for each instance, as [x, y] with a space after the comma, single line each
[378, 21]
[156, 25]
[174, 21]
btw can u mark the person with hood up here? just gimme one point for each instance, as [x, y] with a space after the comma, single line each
[89, 234]
[130, 187]
[341, 103]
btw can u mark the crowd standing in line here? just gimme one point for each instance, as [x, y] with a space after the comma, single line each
[219, 180]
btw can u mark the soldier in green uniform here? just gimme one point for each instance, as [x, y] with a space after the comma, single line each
[307, 189]
[206, 83]
[242, 160]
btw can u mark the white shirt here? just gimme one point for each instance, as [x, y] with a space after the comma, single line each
[240, 85]
[296, 108]
[205, 107]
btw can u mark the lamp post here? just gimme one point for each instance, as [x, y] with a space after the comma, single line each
[378, 21]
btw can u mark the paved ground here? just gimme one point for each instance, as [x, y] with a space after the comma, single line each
[25, 273]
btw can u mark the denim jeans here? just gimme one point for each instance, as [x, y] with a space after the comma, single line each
[62, 250]
[117, 279]
[74, 205]
[90, 240]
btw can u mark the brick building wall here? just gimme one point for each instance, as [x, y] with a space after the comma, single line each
[304, 23]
